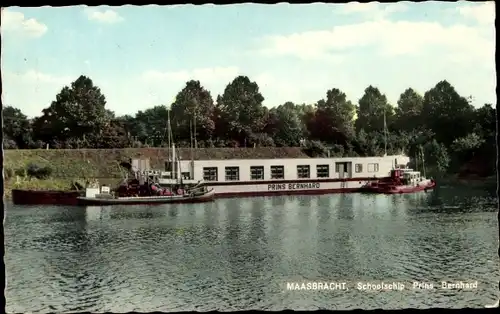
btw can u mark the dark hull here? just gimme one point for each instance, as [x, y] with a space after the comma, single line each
[31, 197]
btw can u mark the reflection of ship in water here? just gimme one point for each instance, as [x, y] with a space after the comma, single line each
[97, 213]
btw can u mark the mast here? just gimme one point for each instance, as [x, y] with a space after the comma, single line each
[169, 143]
[416, 161]
[194, 131]
[423, 161]
[191, 138]
[385, 136]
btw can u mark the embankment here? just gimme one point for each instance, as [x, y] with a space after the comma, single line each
[104, 163]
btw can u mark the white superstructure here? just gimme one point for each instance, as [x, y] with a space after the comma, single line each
[284, 176]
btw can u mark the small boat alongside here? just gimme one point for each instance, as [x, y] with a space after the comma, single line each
[102, 196]
[402, 180]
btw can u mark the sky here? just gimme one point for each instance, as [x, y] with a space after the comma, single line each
[143, 56]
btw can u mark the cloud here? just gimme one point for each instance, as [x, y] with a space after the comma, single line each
[31, 91]
[16, 23]
[200, 74]
[483, 13]
[109, 16]
[385, 38]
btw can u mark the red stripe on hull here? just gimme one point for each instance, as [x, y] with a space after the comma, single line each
[287, 192]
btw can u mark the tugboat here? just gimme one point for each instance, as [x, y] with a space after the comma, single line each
[411, 182]
[403, 181]
[395, 178]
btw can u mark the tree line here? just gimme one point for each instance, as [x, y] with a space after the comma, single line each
[441, 123]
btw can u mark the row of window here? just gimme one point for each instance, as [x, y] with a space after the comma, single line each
[278, 172]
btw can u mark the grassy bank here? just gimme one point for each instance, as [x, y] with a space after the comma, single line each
[103, 163]
[35, 184]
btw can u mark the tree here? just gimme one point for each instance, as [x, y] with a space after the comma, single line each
[77, 111]
[115, 135]
[241, 109]
[16, 128]
[285, 125]
[333, 119]
[371, 109]
[443, 110]
[193, 106]
[151, 125]
[437, 154]
[409, 109]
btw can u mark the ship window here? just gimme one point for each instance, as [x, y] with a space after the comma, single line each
[322, 171]
[210, 173]
[372, 167]
[186, 175]
[359, 168]
[277, 172]
[303, 171]
[257, 172]
[232, 173]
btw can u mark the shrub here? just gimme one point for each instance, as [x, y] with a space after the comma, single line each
[38, 172]
[8, 173]
[20, 172]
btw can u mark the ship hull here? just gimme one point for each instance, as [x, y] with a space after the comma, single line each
[146, 200]
[32, 197]
[405, 189]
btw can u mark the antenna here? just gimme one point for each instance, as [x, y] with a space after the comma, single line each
[385, 136]
[168, 130]
[191, 138]
[423, 162]
[194, 130]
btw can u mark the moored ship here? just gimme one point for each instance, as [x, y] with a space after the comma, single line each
[261, 177]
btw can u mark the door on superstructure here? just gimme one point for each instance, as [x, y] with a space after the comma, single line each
[348, 169]
[344, 169]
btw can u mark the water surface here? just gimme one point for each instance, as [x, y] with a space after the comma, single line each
[239, 253]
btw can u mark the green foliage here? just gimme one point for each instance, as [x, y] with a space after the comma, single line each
[240, 109]
[77, 112]
[193, 113]
[469, 142]
[452, 132]
[437, 154]
[371, 110]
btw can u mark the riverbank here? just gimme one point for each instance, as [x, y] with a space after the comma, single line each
[69, 165]
[35, 184]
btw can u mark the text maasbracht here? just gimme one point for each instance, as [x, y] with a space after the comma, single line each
[316, 286]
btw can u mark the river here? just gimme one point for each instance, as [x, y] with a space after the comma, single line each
[236, 254]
